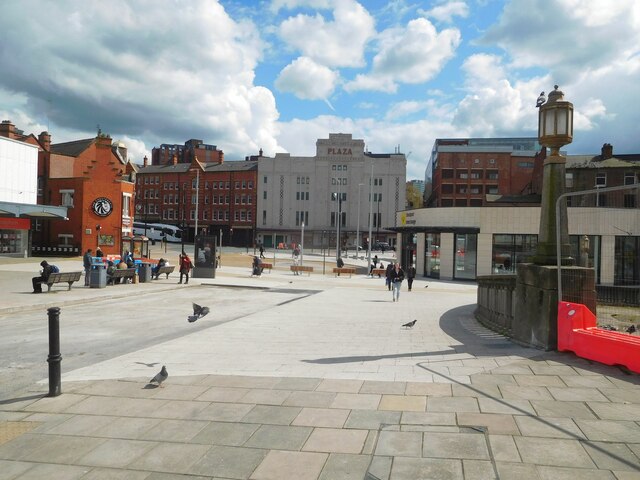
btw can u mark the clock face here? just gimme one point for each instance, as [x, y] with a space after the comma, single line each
[138, 207]
[102, 207]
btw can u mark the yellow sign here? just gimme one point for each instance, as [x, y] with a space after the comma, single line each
[403, 218]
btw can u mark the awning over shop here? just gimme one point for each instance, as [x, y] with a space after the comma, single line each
[434, 229]
[32, 211]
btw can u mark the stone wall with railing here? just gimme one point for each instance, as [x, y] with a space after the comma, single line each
[496, 302]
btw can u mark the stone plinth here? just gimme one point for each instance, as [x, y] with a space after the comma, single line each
[536, 311]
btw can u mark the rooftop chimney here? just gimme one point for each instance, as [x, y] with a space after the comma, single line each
[45, 140]
[260, 152]
[146, 161]
[175, 159]
[221, 157]
[7, 129]
[607, 151]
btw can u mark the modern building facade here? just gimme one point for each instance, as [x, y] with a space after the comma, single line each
[474, 172]
[338, 187]
[461, 243]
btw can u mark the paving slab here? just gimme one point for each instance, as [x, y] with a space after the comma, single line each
[279, 437]
[228, 462]
[282, 464]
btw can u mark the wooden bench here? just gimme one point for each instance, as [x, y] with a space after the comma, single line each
[167, 269]
[379, 271]
[266, 266]
[339, 270]
[301, 268]
[62, 277]
[121, 273]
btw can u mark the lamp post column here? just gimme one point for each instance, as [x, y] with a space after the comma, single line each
[358, 222]
[370, 218]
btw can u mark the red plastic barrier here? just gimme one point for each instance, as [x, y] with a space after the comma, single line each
[577, 332]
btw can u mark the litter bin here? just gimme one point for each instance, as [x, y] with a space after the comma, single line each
[144, 272]
[98, 277]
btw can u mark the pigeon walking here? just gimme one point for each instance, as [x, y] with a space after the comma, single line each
[631, 329]
[198, 312]
[410, 324]
[160, 377]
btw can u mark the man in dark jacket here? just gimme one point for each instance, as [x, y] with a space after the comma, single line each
[411, 274]
[42, 278]
[388, 273]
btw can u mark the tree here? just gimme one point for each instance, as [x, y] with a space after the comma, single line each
[414, 197]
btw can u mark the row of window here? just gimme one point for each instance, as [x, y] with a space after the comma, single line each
[447, 188]
[473, 174]
[221, 185]
[219, 215]
[303, 216]
[476, 161]
[243, 199]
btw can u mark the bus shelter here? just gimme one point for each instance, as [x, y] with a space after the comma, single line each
[137, 245]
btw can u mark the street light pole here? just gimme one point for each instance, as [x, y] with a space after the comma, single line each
[370, 217]
[197, 200]
[358, 223]
[301, 243]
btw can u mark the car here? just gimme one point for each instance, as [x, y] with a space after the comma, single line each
[381, 246]
[353, 247]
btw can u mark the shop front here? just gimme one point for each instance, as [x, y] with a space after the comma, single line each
[14, 236]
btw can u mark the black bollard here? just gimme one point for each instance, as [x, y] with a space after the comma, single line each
[54, 358]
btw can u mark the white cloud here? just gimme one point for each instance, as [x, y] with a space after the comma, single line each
[307, 80]
[336, 43]
[166, 73]
[567, 35]
[277, 5]
[414, 54]
[446, 11]
[402, 109]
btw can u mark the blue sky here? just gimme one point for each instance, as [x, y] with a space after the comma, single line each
[279, 74]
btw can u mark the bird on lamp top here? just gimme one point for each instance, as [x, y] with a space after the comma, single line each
[541, 100]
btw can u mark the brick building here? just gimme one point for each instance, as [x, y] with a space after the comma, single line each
[187, 153]
[92, 179]
[221, 195]
[478, 172]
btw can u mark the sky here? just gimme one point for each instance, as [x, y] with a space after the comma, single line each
[279, 74]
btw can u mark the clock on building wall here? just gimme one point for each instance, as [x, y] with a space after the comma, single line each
[102, 207]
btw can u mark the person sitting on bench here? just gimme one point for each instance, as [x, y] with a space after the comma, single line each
[154, 271]
[43, 277]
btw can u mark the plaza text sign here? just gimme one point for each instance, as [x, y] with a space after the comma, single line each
[339, 151]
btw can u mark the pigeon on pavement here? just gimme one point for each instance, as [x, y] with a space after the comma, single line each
[160, 377]
[410, 324]
[198, 312]
[631, 329]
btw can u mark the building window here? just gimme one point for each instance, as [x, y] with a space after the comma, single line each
[249, 199]
[236, 199]
[568, 179]
[264, 195]
[629, 178]
[236, 184]
[126, 205]
[492, 161]
[476, 160]
[249, 216]
[250, 184]
[601, 180]
[447, 188]
[629, 200]
[67, 198]
[214, 185]
[297, 195]
[492, 175]
[244, 184]
[447, 173]
[264, 215]
[40, 185]
[491, 189]
[206, 200]
[462, 174]
[525, 164]
[146, 180]
[264, 179]
[236, 216]
[243, 215]
[221, 185]
[476, 174]
[205, 215]
[243, 199]
[227, 185]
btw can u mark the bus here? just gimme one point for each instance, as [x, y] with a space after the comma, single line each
[158, 231]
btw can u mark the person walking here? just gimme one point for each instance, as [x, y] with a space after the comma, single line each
[262, 251]
[397, 276]
[388, 273]
[185, 267]
[411, 274]
[374, 264]
[87, 260]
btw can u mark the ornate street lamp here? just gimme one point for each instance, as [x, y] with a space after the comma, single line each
[555, 129]
[555, 122]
